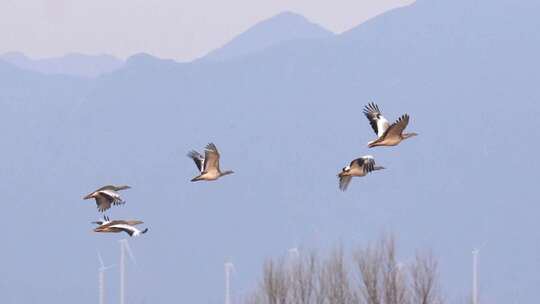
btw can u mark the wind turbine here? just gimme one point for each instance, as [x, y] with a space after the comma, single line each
[475, 253]
[294, 253]
[101, 279]
[124, 246]
[229, 269]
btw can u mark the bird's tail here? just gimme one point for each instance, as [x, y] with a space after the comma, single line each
[144, 231]
[378, 168]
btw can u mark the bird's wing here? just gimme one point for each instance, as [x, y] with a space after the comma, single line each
[113, 196]
[358, 163]
[397, 127]
[376, 120]
[107, 187]
[126, 228]
[368, 163]
[133, 223]
[344, 182]
[103, 202]
[198, 159]
[116, 222]
[211, 156]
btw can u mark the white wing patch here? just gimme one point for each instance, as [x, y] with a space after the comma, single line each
[134, 230]
[111, 193]
[382, 125]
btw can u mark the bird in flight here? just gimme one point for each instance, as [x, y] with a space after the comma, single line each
[208, 164]
[358, 167]
[388, 134]
[119, 226]
[107, 196]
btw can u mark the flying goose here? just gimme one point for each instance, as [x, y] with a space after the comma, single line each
[107, 195]
[388, 134]
[358, 167]
[106, 222]
[208, 164]
[121, 226]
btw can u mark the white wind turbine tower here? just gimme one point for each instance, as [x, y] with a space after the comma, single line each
[229, 269]
[101, 279]
[475, 253]
[124, 246]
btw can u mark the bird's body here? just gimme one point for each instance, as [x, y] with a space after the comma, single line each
[107, 196]
[358, 167]
[208, 164]
[120, 226]
[387, 134]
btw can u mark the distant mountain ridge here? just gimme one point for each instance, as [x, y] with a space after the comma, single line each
[286, 118]
[73, 64]
[285, 26]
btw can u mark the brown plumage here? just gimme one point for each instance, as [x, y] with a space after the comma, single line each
[208, 164]
[116, 226]
[358, 167]
[107, 196]
[388, 134]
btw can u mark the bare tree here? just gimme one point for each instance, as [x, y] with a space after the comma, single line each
[394, 287]
[369, 263]
[424, 276]
[303, 279]
[381, 279]
[275, 282]
[334, 280]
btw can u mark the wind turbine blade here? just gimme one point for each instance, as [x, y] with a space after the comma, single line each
[294, 252]
[482, 246]
[125, 243]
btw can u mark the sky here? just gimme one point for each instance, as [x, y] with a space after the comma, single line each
[176, 29]
[286, 119]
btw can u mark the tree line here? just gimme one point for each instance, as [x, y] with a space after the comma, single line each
[370, 275]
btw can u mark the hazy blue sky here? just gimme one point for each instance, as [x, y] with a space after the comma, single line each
[286, 119]
[179, 29]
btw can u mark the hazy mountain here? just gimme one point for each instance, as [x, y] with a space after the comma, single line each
[70, 64]
[286, 119]
[280, 28]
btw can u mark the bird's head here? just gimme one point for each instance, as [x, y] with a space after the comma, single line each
[412, 134]
[227, 172]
